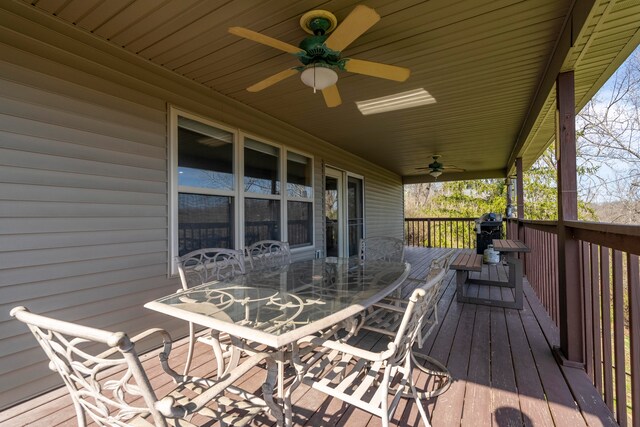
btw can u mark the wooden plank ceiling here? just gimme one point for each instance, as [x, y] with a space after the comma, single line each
[482, 61]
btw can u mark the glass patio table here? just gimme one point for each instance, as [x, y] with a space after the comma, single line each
[276, 307]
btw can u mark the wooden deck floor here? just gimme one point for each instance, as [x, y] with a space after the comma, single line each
[501, 360]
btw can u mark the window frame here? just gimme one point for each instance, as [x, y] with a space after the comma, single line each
[238, 194]
[309, 199]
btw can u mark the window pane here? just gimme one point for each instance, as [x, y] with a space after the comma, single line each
[261, 170]
[298, 175]
[300, 227]
[355, 213]
[204, 222]
[262, 220]
[205, 156]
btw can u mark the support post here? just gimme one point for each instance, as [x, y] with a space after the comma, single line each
[570, 293]
[509, 210]
[520, 201]
[520, 198]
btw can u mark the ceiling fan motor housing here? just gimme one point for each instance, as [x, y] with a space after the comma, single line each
[317, 51]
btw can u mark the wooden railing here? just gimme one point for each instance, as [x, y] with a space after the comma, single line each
[610, 283]
[440, 232]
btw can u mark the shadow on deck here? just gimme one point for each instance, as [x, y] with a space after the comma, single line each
[501, 360]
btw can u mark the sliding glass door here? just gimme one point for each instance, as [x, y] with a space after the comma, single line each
[344, 213]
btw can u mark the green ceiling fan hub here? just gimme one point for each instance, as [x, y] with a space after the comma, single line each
[316, 50]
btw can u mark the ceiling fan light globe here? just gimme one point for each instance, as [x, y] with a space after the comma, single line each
[319, 77]
[435, 174]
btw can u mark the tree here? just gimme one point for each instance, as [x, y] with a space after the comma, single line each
[468, 198]
[609, 137]
[540, 184]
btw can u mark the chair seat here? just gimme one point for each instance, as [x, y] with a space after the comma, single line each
[353, 380]
[373, 380]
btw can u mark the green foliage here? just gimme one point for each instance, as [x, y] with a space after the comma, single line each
[470, 199]
[541, 189]
[467, 199]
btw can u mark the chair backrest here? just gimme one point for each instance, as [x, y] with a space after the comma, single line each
[432, 285]
[441, 263]
[421, 302]
[205, 265]
[382, 248]
[268, 254]
[81, 355]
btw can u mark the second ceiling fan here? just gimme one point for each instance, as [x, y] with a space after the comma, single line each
[321, 52]
[435, 168]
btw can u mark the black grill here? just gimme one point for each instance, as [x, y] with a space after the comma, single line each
[489, 230]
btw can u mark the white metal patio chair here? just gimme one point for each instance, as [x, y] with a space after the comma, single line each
[268, 254]
[363, 377]
[201, 266]
[385, 318]
[382, 249]
[205, 265]
[109, 385]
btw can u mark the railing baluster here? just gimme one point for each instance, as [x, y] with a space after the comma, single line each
[587, 307]
[595, 307]
[633, 283]
[618, 341]
[607, 349]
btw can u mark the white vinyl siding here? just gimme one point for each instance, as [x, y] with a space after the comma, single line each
[83, 213]
[84, 195]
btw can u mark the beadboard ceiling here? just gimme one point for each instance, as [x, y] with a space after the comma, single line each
[485, 62]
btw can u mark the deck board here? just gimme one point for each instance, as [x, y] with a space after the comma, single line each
[504, 371]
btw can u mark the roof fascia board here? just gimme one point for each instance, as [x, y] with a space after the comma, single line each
[577, 17]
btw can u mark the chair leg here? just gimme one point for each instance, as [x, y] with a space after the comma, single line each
[82, 419]
[416, 398]
[187, 364]
[384, 399]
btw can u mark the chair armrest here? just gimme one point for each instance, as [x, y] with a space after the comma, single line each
[166, 342]
[349, 349]
[167, 405]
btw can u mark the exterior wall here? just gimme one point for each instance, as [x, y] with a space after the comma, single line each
[84, 186]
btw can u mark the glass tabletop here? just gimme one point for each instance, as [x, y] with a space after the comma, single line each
[277, 306]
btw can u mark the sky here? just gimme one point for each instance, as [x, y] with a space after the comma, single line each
[612, 171]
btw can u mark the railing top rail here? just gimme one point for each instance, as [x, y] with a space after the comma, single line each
[441, 219]
[605, 227]
[537, 222]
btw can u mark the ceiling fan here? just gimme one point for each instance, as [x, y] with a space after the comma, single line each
[436, 168]
[321, 53]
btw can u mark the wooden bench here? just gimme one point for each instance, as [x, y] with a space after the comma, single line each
[463, 264]
[466, 262]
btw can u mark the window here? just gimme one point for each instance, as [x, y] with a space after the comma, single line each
[299, 200]
[262, 192]
[355, 212]
[205, 181]
[230, 190]
[261, 170]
